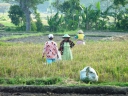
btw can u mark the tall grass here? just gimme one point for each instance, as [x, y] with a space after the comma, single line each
[109, 59]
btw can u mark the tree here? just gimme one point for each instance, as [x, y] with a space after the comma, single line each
[56, 4]
[122, 2]
[117, 2]
[118, 11]
[16, 15]
[27, 7]
[39, 24]
[91, 16]
[71, 10]
[55, 22]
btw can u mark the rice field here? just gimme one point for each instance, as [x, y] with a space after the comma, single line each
[109, 59]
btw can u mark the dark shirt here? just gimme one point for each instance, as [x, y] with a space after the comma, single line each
[62, 45]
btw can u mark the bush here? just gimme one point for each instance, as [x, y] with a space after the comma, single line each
[10, 29]
[2, 18]
[33, 26]
[2, 81]
[48, 81]
[39, 25]
[16, 15]
[21, 28]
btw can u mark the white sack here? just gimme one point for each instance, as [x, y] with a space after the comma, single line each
[88, 74]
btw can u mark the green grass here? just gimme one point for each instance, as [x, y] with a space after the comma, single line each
[30, 81]
[5, 20]
[18, 35]
[109, 59]
[7, 23]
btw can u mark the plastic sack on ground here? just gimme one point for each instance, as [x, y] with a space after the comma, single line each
[88, 74]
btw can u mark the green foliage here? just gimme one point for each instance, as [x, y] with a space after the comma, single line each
[70, 6]
[21, 28]
[33, 26]
[31, 81]
[71, 10]
[122, 2]
[91, 16]
[10, 28]
[39, 24]
[76, 16]
[7, 23]
[2, 81]
[25, 7]
[114, 84]
[47, 81]
[55, 22]
[12, 81]
[2, 18]
[122, 21]
[16, 15]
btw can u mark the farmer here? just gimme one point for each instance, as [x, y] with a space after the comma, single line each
[50, 50]
[80, 37]
[65, 48]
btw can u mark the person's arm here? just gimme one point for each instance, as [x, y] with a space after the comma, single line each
[76, 37]
[61, 47]
[71, 43]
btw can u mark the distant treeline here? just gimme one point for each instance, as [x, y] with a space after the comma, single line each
[75, 14]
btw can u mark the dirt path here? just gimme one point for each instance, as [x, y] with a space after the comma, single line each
[63, 91]
[53, 94]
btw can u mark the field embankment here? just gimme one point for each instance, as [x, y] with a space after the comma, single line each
[63, 91]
